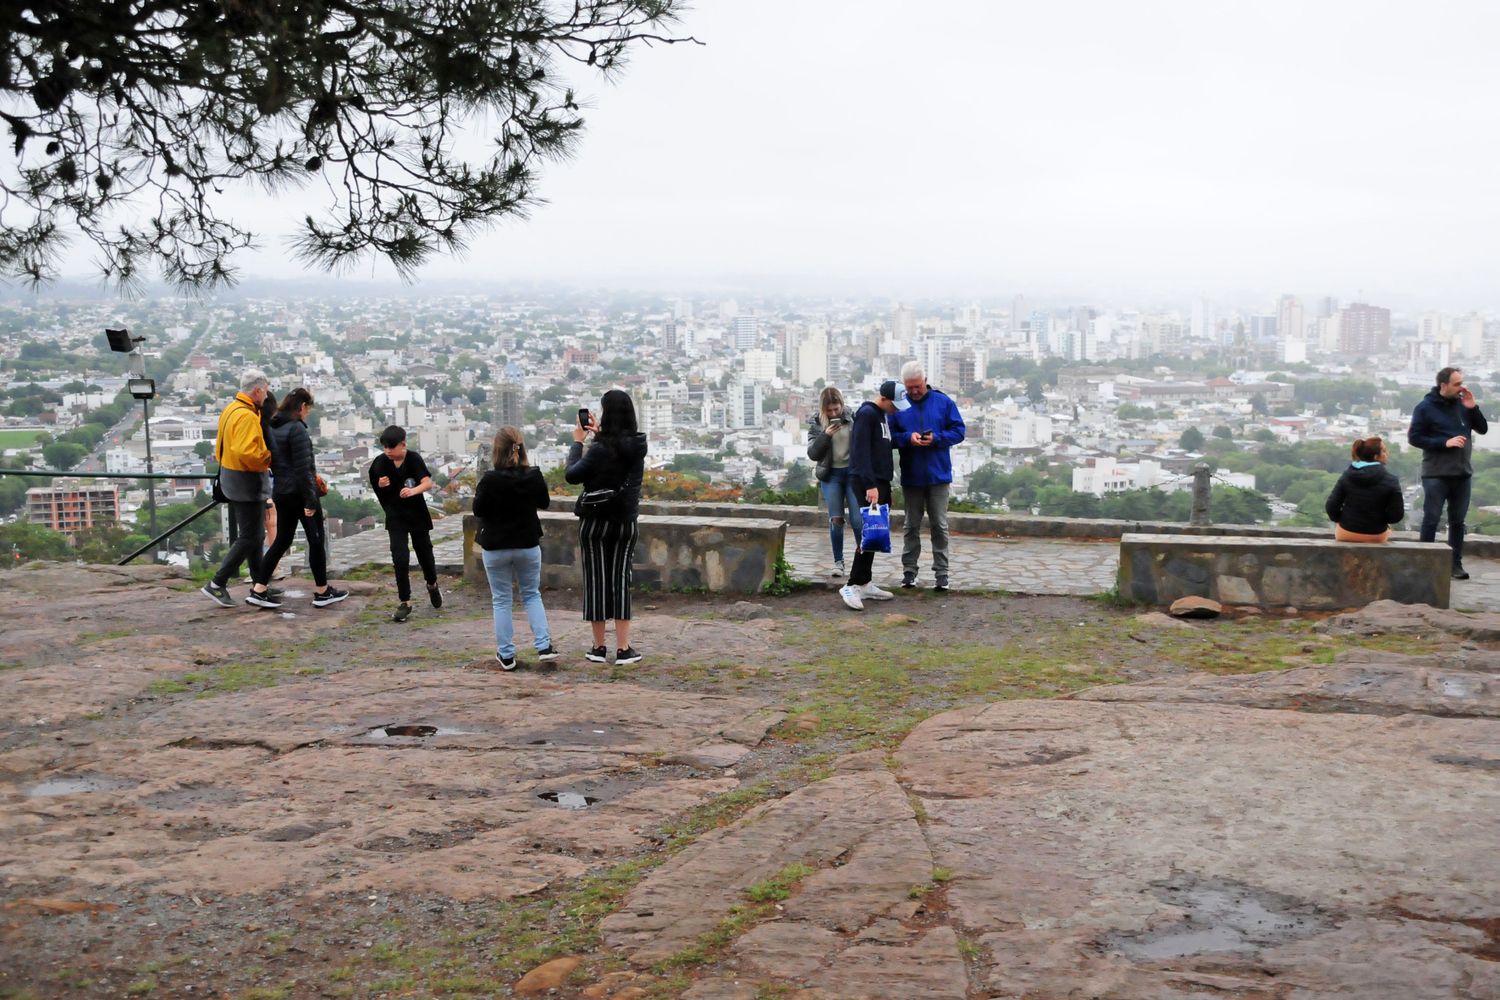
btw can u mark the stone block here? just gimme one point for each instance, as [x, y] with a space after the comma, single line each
[735, 555]
[1314, 574]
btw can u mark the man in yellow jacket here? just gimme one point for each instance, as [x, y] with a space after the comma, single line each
[244, 477]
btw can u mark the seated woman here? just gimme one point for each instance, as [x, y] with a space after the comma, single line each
[1366, 500]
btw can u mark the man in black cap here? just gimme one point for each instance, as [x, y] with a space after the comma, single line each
[871, 469]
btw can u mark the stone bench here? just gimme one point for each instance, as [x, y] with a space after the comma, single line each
[1310, 574]
[730, 555]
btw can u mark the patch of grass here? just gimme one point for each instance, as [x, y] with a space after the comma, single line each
[280, 992]
[8, 665]
[115, 633]
[941, 875]
[141, 986]
[780, 885]
[969, 949]
[782, 581]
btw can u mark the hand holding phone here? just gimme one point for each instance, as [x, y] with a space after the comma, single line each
[583, 417]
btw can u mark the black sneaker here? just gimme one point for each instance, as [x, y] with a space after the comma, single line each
[627, 655]
[908, 581]
[434, 595]
[403, 612]
[330, 596]
[941, 585]
[262, 599]
[597, 655]
[1460, 574]
[505, 664]
[218, 592]
[547, 654]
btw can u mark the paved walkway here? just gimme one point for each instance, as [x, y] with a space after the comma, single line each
[1015, 565]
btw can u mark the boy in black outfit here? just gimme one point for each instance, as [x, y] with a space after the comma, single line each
[399, 478]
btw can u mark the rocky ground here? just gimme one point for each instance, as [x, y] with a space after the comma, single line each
[948, 796]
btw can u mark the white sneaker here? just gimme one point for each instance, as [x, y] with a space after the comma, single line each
[851, 597]
[870, 592]
[839, 570]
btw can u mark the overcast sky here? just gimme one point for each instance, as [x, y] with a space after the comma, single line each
[988, 147]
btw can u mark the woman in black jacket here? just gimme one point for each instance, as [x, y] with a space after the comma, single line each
[296, 494]
[510, 534]
[1366, 500]
[615, 461]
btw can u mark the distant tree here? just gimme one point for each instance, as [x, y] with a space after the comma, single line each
[114, 108]
[32, 541]
[797, 477]
[477, 395]
[64, 454]
[1035, 390]
[1191, 440]
[1258, 404]
[1223, 432]
[1264, 434]
[204, 449]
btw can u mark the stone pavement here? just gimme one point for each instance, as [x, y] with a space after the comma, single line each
[1058, 566]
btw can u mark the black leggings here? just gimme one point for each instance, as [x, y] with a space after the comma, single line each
[421, 544]
[863, 567]
[288, 514]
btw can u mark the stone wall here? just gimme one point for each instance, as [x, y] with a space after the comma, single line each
[1308, 574]
[732, 555]
[1026, 526]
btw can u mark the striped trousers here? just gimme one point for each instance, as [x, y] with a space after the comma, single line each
[608, 548]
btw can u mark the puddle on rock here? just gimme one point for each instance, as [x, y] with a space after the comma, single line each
[1219, 916]
[584, 734]
[569, 800]
[1456, 687]
[1458, 760]
[78, 783]
[409, 731]
[191, 796]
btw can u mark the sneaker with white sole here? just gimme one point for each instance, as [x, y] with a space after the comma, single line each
[627, 655]
[262, 599]
[839, 570]
[506, 664]
[330, 596]
[547, 654]
[598, 654]
[218, 592]
[851, 596]
[870, 592]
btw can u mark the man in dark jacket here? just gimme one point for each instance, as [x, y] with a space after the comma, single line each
[924, 433]
[870, 472]
[1443, 425]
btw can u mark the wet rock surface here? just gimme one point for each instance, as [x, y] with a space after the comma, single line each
[1323, 831]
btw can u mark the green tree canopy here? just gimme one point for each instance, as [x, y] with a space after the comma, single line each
[116, 109]
[1191, 440]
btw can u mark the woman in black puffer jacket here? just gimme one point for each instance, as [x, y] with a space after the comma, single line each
[295, 491]
[1366, 500]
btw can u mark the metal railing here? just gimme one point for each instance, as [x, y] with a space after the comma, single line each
[54, 474]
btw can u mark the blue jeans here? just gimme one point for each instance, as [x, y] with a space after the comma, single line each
[1454, 493]
[524, 567]
[837, 494]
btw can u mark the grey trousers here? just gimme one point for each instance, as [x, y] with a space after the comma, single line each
[931, 502]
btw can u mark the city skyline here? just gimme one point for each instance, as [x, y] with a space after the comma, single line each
[1090, 150]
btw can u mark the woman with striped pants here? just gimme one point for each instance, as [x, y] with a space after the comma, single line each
[614, 460]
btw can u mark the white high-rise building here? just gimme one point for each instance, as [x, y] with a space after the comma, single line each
[811, 359]
[746, 333]
[760, 365]
[1289, 323]
[904, 323]
[656, 417]
[742, 404]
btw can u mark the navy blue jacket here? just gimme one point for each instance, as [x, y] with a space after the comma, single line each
[1433, 422]
[928, 465]
[870, 459]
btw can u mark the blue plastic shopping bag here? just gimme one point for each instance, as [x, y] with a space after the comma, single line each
[877, 533]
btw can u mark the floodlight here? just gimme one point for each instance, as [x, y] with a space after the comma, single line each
[142, 388]
[119, 340]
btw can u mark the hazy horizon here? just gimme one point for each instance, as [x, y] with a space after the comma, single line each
[1150, 151]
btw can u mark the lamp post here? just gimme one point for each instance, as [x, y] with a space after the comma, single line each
[142, 388]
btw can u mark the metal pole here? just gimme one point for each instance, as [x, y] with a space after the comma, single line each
[150, 471]
[1201, 494]
[172, 530]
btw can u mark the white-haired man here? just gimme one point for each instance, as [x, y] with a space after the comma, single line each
[244, 476]
[923, 433]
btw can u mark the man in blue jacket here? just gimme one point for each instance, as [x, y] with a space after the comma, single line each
[924, 433]
[1443, 425]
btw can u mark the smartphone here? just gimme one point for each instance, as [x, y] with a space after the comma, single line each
[927, 435]
[583, 417]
